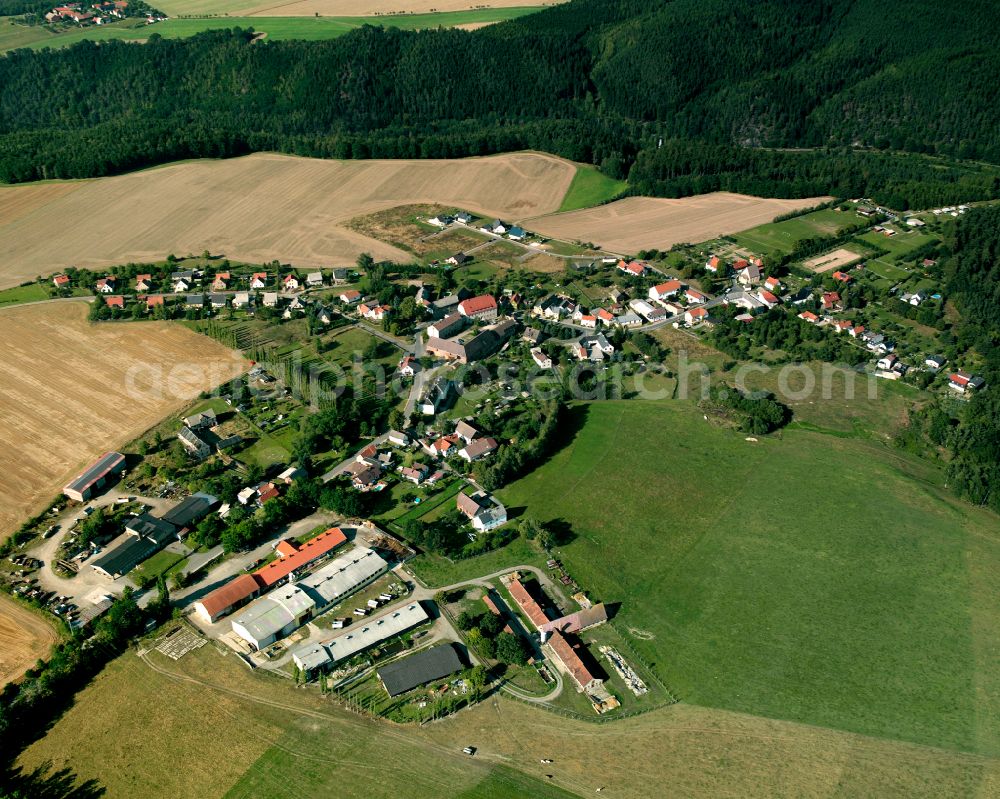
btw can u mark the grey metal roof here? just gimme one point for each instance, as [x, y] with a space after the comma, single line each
[420, 669]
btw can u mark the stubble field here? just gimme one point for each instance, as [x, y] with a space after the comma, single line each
[261, 207]
[635, 223]
[73, 390]
[24, 638]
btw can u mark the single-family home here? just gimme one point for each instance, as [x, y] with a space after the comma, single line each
[59, 281]
[693, 296]
[809, 317]
[153, 301]
[694, 316]
[314, 279]
[482, 510]
[747, 275]
[831, 301]
[478, 448]
[886, 362]
[115, 301]
[463, 217]
[221, 281]
[712, 264]
[414, 474]
[630, 319]
[442, 447]
[516, 233]
[182, 285]
[106, 285]
[290, 283]
[458, 259]
[963, 382]
[604, 315]
[408, 366]
[467, 431]
[258, 280]
[350, 296]
[143, 282]
[633, 268]
[271, 299]
[841, 277]
[241, 300]
[542, 360]
[935, 361]
[664, 290]
[442, 220]
[772, 284]
[767, 298]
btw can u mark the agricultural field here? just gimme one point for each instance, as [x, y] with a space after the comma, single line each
[636, 223]
[113, 381]
[24, 638]
[445, 10]
[230, 207]
[300, 745]
[737, 589]
[779, 238]
[278, 25]
[591, 187]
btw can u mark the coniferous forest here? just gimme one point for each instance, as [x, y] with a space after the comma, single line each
[768, 97]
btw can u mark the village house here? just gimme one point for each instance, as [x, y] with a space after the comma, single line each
[290, 283]
[221, 281]
[442, 447]
[841, 277]
[694, 316]
[182, 285]
[772, 284]
[963, 382]
[458, 259]
[713, 263]
[604, 315]
[143, 282]
[482, 510]
[831, 301]
[438, 396]
[809, 317]
[517, 234]
[350, 296]
[482, 308]
[935, 362]
[446, 327]
[408, 366]
[60, 281]
[541, 360]
[443, 220]
[106, 285]
[477, 449]
[693, 296]
[154, 301]
[554, 306]
[664, 290]
[115, 301]
[241, 300]
[271, 299]
[414, 474]
[633, 268]
[258, 280]
[767, 298]
[193, 443]
[314, 279]
[630, 319]
[747, 275]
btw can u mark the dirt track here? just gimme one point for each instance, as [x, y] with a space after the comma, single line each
[637, 223]
[258, 208]
[73, 390]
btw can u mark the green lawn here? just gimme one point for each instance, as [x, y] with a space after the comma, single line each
[780, 237]
[900, 245]
[306, 28]
[590, 187]
[163, 562]
[817, 578]
[33, 292]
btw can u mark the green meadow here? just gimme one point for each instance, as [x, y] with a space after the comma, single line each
[827, 579]
[590, 187]
[305, 28]
[778, 238]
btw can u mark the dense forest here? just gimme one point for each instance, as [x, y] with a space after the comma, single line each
[776, 96]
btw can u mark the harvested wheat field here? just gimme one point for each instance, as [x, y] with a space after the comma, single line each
[24, 638]
[265, 207]
[637, 223]
[832, 260]
[73, 390]
[368, 8]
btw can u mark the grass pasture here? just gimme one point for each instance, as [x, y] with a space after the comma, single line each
[817, 578]
[900, 245]
[281, 742]
[778, 238]
[292, 26]
[590, 187]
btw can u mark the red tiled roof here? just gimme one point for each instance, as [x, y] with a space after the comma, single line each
[350, 294]
[286, 548]
[156, 299]
[768, 297]
[698, 312]
[312, 549]
[232, 593]
[669, 286]
[527, 603]
[484, 302]
[959, 379]
[118, 301]
[570, 659]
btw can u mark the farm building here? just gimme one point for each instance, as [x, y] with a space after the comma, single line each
[575, 622]
[450, 325]
[274, 616]
[96, 476]
[298, 557]
[569, 657]
[483, 307]
[416, 670]
[190, 510]
[311, 657]
[527, 603]
[227, 598]
[144, 536]
[343, 576]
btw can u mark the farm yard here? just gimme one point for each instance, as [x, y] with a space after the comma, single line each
[299, 745]
[113, 381]
[230, 207]
[24, 638]
[636, 223]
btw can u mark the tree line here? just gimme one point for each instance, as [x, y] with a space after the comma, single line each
[765, 97]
